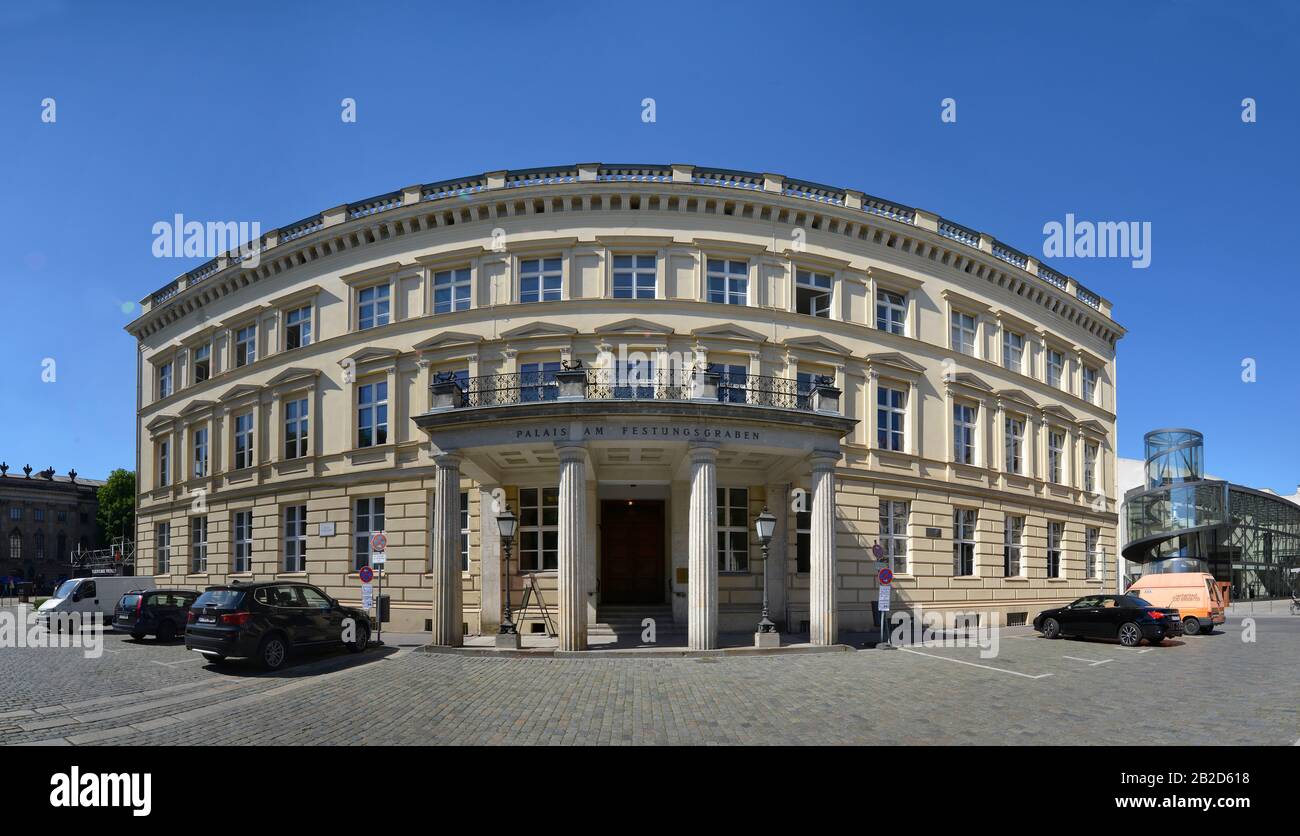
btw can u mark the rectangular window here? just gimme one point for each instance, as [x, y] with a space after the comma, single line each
[164, 463]
[38, 514]
[1092, 540]
[16, 513]
[1055, 368]
[1055, 530]
[200, 452]
[963, 433]
[539, 529]
[963, 333]
[244, 440]
[369, 518]
[891, 418]
[451, 290]
[1015, 442]
[372, 414]
[162, 541]
[732, 382]
[1055, 456]
[812, 293]
[733, 529]
[464, 531]
[891, 312]
[295, 428]
[963, 542]
[1090, 384]
[1013, 351]
[243, 542]
[540, 279]
[537, 381]
[1090, 468]
[1013, 536]
[634, 277]
[198, 545]
[295, 538]
[635, 379]
[245, 345]
[728, 281]
[202, 363]
[893, 533]
[803, 542]
[164, 380]
[297, 327]
[372, 307]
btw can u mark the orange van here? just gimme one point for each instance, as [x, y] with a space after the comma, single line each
[1195, 595]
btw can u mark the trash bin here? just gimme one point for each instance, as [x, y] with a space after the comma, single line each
[383, 609]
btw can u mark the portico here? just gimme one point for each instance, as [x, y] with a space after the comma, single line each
[665, 460]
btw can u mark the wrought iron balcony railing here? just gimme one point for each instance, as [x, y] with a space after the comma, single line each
[809, 394]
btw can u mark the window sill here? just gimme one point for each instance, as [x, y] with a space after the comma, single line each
[1020, 578]
[279, 575]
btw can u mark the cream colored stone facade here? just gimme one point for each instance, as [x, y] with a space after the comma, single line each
[767, 230]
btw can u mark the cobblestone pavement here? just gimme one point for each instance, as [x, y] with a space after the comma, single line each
[1211, 689]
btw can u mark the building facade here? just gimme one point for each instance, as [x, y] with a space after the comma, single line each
[46, 517]
[1179, 519]
[635, 361]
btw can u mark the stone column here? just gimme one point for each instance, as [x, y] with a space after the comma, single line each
[702, 569]
[778, 502]
[489, 562]
[573, 533]
[822, 604]
[447, 615]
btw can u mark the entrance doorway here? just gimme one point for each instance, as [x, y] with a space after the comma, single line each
[632, 551]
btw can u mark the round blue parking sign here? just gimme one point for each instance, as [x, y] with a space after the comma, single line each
[886, 577]
[367, 574]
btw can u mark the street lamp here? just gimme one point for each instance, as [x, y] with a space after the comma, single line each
[506, 524]
[766, 526]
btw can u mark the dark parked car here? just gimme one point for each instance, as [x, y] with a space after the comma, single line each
[1125, 617]
[267, 620]
[154, 612]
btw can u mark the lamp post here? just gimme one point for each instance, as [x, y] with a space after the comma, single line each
[506, 524]
[766, 635]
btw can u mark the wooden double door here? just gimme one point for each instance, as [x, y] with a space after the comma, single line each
[632, 551]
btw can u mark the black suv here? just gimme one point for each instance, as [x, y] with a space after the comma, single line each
[154, 612]
[266, 620]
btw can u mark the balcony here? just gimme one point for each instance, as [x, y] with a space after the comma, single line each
[817, 394]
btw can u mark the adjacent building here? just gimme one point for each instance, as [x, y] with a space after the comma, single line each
[46, 517]
[635, 361]
[1178, 518]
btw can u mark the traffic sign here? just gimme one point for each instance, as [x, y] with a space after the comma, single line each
[367, 574]
[378, 542]
[886, 577]
[883, 601]
[367, 596]
[378, 559]
[878, 551]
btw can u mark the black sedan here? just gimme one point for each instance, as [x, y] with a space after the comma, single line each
[1125, 617]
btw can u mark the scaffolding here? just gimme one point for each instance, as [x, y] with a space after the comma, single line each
[117, 559]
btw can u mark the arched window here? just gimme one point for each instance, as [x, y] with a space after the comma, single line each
[15, 545]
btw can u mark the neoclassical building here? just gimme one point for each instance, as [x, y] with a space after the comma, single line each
[635, 361]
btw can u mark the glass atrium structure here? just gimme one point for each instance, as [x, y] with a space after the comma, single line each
[1179, 520]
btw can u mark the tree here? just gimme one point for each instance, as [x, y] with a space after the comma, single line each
[116, 515]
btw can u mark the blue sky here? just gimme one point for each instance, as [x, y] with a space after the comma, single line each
[230, 111]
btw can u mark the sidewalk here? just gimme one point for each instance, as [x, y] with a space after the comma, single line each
[1254, 609]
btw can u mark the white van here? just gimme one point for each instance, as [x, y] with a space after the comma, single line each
[89, 595]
